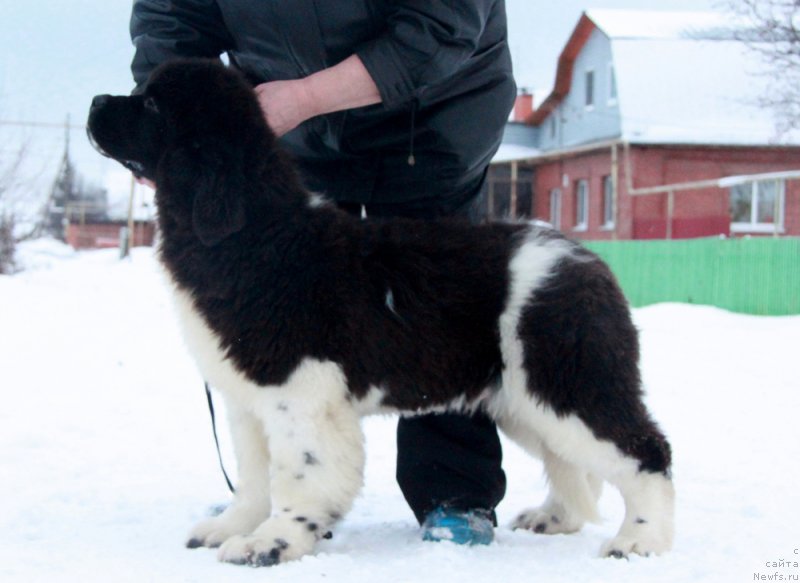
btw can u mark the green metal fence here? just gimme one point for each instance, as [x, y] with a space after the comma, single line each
[753, 276]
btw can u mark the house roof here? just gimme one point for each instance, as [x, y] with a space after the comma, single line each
[649, 24]
[515, 152]
[681, 78]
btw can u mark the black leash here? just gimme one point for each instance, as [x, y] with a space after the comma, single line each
[216, 439]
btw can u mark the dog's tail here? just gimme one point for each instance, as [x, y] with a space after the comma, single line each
[577, 490]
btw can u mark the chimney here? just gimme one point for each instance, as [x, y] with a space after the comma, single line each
[523, 106]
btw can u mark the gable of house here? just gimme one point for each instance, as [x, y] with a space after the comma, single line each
[656, 78]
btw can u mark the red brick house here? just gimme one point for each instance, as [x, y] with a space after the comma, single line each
[106, 234]
[651, 131]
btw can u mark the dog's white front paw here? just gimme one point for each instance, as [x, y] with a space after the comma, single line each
[278, 540]
[235, 520]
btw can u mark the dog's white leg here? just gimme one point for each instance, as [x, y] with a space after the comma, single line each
[573, 495]
[648, 526]
[317, 465]
[571, 502]
[251, 502]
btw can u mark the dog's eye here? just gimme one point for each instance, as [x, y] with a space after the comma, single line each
[150, 104]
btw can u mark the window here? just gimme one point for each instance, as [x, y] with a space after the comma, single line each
[589, 89]
[581, 205]
[555, 208]
[757, 206]
[507, 197]
[608, 202]
[612, 85]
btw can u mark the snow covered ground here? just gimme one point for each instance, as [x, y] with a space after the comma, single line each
[107, 457]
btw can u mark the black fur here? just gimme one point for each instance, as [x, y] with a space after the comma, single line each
[577, 334]
[411, 307]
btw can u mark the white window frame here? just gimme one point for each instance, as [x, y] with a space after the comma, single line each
[589, 97]
[613, 90]
[609, 204]
[754, 226]
[555, 208]
[581, 205]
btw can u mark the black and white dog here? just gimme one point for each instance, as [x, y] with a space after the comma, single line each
[306, 319]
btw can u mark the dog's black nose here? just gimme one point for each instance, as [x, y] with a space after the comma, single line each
[100, 101]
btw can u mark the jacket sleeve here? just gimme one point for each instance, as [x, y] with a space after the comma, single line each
[424, 42]
[166, 29]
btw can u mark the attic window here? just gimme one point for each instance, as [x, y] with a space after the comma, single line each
[612, 84]
[589, 89]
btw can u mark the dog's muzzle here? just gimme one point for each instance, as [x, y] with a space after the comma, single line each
[98, 103]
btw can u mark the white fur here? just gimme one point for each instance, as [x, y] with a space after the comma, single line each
[316, 200]
[251, 505]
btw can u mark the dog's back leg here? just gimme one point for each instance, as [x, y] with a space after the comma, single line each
[571, 502]
[572, 353]
[639, 465]
[317, 453]
[572, 499]
[649, 514]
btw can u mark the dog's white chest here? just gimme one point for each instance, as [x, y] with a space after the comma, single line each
[204, 345]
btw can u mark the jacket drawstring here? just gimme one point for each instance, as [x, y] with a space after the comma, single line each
[411, 159]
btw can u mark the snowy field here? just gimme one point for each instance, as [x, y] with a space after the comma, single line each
[107, 456]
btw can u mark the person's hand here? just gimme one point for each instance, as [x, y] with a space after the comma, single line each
[286, 104]
[145, 181]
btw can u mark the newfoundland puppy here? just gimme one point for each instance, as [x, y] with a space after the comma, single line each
[306, 318]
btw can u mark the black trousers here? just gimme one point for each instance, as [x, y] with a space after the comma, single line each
[445, 460]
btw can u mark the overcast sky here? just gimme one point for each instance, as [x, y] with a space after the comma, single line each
[56, 54]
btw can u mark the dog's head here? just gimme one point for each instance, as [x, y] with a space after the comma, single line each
[190, 131]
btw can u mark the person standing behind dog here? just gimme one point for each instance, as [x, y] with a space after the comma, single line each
[391, 106]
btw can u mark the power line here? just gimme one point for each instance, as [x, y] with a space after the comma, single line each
[42, 124]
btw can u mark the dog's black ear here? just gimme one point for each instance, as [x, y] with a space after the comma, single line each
[214, 177]
[218, 210]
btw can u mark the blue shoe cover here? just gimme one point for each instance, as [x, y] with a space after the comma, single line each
[462, 527]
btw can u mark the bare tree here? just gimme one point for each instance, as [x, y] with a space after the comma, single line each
[7, 244]
[8, 238]
[28, 210]
[773, 31]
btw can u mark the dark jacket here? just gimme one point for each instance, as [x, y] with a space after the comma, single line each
[443, 70]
